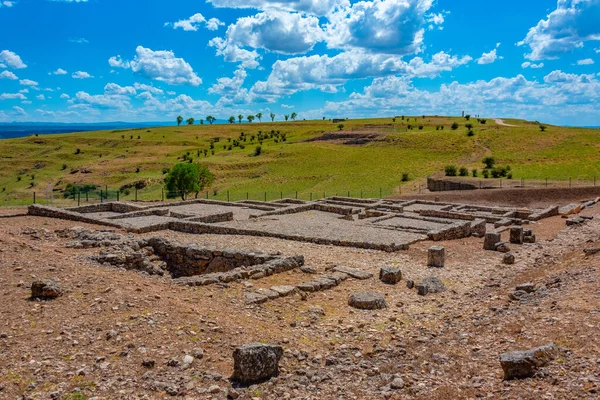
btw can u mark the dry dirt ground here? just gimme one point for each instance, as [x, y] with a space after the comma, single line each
[92, 342]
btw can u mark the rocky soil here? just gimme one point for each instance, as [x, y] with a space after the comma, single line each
[125, 334]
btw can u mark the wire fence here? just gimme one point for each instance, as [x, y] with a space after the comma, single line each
[157, 195]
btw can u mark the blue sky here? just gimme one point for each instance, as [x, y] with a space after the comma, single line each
[109, 60]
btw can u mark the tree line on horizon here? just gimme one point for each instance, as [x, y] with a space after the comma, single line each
[240, 118]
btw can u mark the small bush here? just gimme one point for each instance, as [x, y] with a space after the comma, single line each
[470, 134]
[137, 170]
[463, 172]
[482, 121]
[496, 172]
[486, 173]
[258, 151]
[405, 177]
[450, 170]
[469, 126]
[78, 151]
[64, 166]
[454, 126]
[341, 127]
[420, 127]
[489, 162]
[509, 175]
[543, 128]
[468, 117]
[474, 172]
[165, 170]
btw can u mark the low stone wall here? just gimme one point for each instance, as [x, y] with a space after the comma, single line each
[452, 232]
[113, 206]
[289, 201]
[478, 227]
[199, 228]
[50, 212]
[143, 213]
[213, 219]
[191, 260]
[443, 185]
[459, 215]
[353, 200]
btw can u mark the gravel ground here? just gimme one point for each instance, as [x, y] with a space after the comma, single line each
[95, 340]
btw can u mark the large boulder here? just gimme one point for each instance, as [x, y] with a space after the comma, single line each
[367, 301]
[255, 362]
[524, 364]
[431, 284]
[45, 289]
[490, 241]
[390, 275]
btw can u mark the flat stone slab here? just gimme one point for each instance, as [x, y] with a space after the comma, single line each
[367, 301]
[284, 290]
[354, 272]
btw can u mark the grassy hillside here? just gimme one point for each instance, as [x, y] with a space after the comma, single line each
[117, 158]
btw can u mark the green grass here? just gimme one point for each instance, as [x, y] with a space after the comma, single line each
[318, 167]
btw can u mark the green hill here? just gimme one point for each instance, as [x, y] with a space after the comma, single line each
[315, 157]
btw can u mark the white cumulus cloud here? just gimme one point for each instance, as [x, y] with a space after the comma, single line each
[81, 75]
[315, 7]
[8, 75]
[491, 57]
[573, 23]
[59, 71]
[587, 61]
[160, 65]
[527, 64]
[194, 22]
[28, 82]
[12, 60]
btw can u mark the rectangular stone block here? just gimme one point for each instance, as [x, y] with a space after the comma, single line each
[436, 257]
[516, 235]
[491, 240]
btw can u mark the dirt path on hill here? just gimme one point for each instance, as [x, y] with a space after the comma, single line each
[501, 122]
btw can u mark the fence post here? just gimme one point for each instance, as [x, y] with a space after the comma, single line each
[106, 191]
[569, 181]
[78, 198]
[118, 195]
[265, 196]
[310, 196]
[281, 196]
[207, 195]
[361, 193]
[162, 194]
[348, 193]
[100, 195]
[296, 195]
[228, 196]
[136, 194]
[594, 181]
[380, 193]
[87, 199]
[33, 197]
[247, 196]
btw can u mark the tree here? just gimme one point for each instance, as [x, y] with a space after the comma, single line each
[489, 162]
[454, 126]
[272, 117]
[179, 120]
[201, 122]
[468, 117]
[185, 178]
[211, 119]
[286, 117]
[190, 121]
[293, 117]
[240, 118]
[250, 118]
[259, 116]
[232, 120]
[341, 127]
[543, 128]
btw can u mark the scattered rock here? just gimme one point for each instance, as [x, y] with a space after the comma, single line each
[308, 270]
[410, 284]
[148, 364]
[45, 289]
[397, 383]
[524, 364]
[502, 247]
[509, 258]
[390, 275]
[255, 361]
[591, 251]
[526, 287]
[367, 301]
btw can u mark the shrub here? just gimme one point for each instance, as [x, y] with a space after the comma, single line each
[489, 162]
[496, 172]
[486, 173]
[543, 128]
[509, 175]
[420, 127]
[442, 127]
[165, 170]
[258, 151]
[454, 126]
[463, 172]
[469, 126]
[64, 166]
[340, 127]
[450, 170]
[482, 121]
[405, 177]
[188, 178]
[78, 151]
[137, 170]
[437, 127]
[470, 133]
[468, 117]
[474, 172]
